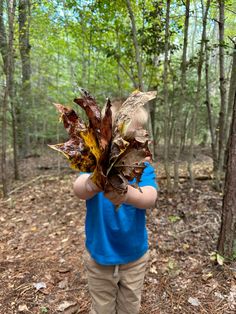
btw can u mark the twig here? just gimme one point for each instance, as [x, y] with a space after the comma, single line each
[27, 183]
[186, 177]
[195, 228]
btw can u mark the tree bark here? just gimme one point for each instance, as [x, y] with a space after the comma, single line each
[222, 114]
[6, 48]
[198, 92]
[166, 100]
[209, 111]
[227, 236]
[136, 46]
[11, 5]
[182, 99]
[24, 45]
[232, 88]
[3, 38]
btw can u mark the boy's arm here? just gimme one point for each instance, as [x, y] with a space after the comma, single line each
[143, 200]
[84, 188]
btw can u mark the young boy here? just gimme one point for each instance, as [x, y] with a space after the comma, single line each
[116, 239]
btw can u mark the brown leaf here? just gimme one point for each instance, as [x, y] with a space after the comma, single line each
[88, 103]
[106, 126]
[81, 149]
[127, 111]
[71, 121]
[127, 154]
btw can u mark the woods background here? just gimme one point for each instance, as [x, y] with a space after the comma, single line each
[184, 50]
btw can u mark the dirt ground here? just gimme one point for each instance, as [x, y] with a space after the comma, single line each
[42, 244]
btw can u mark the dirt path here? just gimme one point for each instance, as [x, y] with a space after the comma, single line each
[42, 244]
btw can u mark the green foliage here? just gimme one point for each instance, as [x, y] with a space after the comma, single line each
[216, 257]
[174, 218]
[44, 309]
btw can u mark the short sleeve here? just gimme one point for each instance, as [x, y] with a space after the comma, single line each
[149, 177]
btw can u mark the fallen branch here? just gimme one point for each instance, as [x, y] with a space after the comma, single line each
[202, 178]
[28, 183]
[195, 228]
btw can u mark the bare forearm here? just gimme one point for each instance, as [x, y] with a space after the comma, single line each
[84, 188]
[143, 200]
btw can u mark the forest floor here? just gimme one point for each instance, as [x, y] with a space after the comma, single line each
[42, 245]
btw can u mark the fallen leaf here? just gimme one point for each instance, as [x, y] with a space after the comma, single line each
[63, 284]
[22, 308]
[68, 307]
[153, 269]
[194, 301]
[40, 285]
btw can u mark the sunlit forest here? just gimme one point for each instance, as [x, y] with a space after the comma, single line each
[185, 51]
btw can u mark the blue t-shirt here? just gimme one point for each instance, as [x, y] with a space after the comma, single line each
[115, 237]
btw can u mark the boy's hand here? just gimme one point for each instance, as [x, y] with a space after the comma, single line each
[115, 197]
[91, 186]
[84, 188]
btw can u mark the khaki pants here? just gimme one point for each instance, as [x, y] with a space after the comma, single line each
[115, 289]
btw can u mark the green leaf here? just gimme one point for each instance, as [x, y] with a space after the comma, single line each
[213, 256]
[174, 218]
[216, 257]
[220, 259]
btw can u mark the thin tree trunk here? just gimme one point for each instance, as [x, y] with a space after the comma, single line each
[166, 100]
[193, 39]
[83, 52]
[209, 111]
[89, 58]
[3, 49]
[11, 18]
[198, 92]
[3, 38]
[232, 88]
[222, 115]
[24, 45]
[135, 85]
[227, 236]
[6, 47]
[136, 46]
[182, 99]
[4, 143]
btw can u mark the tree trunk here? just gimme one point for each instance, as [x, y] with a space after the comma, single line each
[24, 45]
[3, 49]
[222, 114]
[232, 88]
[6, 48]
[11, 66]
[179, 117]
[4, 143]
[198, 92]
[227, 237]
[136, 46]
[166, 100]
[3, 38]
[209, 111]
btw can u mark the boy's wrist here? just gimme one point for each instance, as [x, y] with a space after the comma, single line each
[91, 187]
